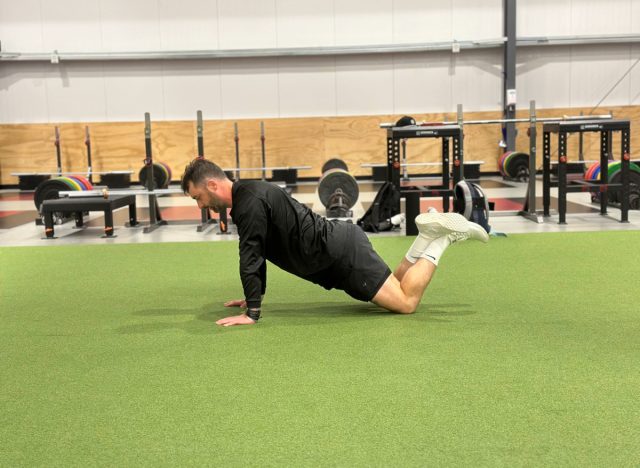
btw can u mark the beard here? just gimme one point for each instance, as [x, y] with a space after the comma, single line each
[214, 204]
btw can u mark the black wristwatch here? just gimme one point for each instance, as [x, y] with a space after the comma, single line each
[253, 314]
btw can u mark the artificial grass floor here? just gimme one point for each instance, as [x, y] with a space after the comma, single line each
[525, 352]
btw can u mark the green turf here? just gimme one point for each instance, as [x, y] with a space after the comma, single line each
[525, 352]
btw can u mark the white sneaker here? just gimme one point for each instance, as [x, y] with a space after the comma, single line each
[435, 225]
[475, 232]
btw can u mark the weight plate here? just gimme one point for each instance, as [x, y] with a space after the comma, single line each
[501, 162]
[335, 180]
[160, 176]
[72, 184]
[48, 190]
[334, 163]
[516, 165]
[79, 182]
[88, 185]
[168, 170]
[589, 174]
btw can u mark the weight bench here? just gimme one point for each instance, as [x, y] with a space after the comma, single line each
[78, 206]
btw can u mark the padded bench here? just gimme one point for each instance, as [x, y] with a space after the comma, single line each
[79, 205]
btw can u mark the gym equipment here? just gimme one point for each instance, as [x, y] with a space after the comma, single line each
[470, 169]
[161, 175]
[514, 165]
[334, 163]
[599, 181]
[153, 175]
[263, 151]
[236, 140]
[205, 214]
[413, 192]
[529, 206]
[50, 189]
[50, 208]
[615, 177]
[337, 189]
[502, 121]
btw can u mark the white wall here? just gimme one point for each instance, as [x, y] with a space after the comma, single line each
[401, 83]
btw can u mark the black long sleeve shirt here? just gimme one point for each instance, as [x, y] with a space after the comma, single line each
[273, 226]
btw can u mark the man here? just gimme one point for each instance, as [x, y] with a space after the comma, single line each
[334, 254]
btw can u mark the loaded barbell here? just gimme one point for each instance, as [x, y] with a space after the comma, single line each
[337, 189]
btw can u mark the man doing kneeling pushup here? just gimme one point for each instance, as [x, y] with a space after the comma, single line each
[334, 254]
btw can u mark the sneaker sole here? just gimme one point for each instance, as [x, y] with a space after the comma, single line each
[451, 222]
[478, 233]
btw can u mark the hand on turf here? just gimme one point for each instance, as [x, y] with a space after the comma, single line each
[235, 320]
[237, 303]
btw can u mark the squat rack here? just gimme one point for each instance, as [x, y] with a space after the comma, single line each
[413, 193]
[606, 129]
[395, 133]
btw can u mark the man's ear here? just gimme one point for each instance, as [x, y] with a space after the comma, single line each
[212, 185]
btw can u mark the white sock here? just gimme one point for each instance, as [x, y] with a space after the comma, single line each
[435, 249]
[417, 248]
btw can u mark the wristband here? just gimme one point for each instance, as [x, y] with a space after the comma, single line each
[253, 314]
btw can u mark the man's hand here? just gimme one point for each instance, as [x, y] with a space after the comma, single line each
[235, 320]
[237, 303]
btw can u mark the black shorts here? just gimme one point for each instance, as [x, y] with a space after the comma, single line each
[362, 270]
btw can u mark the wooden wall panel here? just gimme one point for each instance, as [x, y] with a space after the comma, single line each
[289, 142]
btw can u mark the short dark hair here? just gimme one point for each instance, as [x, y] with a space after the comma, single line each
[199, 170]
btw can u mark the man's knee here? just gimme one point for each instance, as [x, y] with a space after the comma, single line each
[406, 308]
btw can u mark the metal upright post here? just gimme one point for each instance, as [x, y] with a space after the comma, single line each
[405, 171]
[57, 145]
[393, 160]
[624, 191]
[531, 191]
[546, 172]
[509, 71]
[458, 150]
[87, 142]
[581, 148]
[605, 145]
[445, 173]
[236, 139]
[264, 155]
[155, 219]
[149, 183]
[200, 133]
[562, 176]
[458, 159]
[205, 214]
